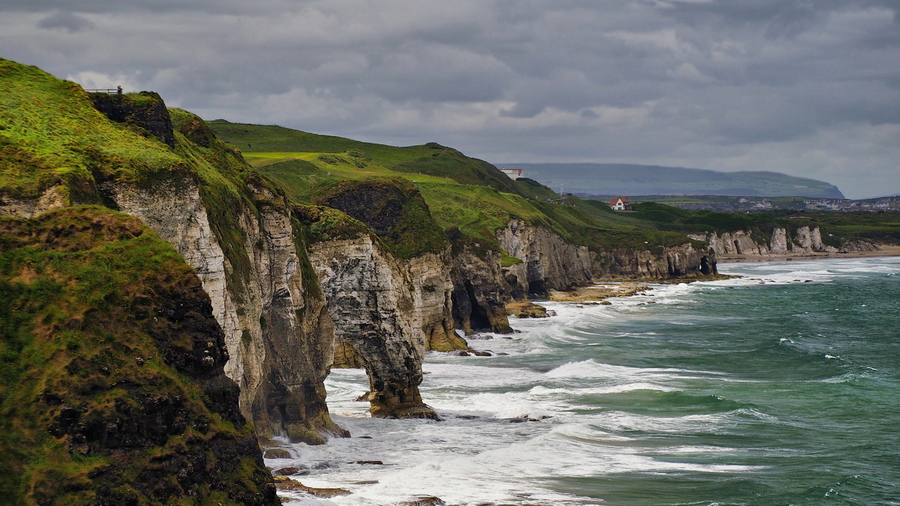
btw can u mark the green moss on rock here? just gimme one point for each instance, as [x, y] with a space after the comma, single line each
[394, 210]
[112, 389]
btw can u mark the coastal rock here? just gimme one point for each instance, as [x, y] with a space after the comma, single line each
[805, 241]
[684, 261]
[370, 299]
[345, 356]
[480, 289]
[424, 500]
[285, 483]
[736, 243]
[396, 212]
[810, 240]
[548, 261]
[53, 198]
[600, 292]
[277, 453]
[851, 246]
[527, 310]
[432, 292]
[278, 335]
[779, 242]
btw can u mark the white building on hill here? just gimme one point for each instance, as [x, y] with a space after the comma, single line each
[512, 173]
[620, 204]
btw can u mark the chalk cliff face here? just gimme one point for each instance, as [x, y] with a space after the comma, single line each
[806, 241]
[481, 289]
[683, 261]
[278, 334]
[551, 263]
[370, 298]
[432, 291]
[53, 198]
[548, 261]
[287, 297]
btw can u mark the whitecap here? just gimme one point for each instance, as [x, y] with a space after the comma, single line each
[590, 369]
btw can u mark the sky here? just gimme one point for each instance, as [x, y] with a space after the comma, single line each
[809, 88]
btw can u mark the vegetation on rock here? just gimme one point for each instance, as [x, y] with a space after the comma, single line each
[112, 389]
[51, 135]
[393, 209]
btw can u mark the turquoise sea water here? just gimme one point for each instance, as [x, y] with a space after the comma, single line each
[781, 387]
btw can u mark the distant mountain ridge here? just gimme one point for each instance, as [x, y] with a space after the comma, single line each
[613, 179]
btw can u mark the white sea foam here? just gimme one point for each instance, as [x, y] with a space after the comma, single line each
[612, 389]
[592, 369]
[487, 452]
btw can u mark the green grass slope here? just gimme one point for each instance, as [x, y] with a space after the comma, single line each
[465, 194]
[264, 146]
[50, 134]
[460, 192]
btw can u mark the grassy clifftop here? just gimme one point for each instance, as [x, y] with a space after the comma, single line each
[107, 393]
[50, 134]
[393, 209]
[476, 198]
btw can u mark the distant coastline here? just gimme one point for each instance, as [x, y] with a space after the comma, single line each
[887, 250]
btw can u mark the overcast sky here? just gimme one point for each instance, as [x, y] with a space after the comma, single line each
[810, 88]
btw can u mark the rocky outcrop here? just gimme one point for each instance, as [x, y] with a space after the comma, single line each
[805, 241]
[370, 298]
[145, 110]
[432, 291]
[548, 261]
[53, 198]
[277, 331]
[395, 212]
[481, 289]
[809, 240]
[684, 261]
[740, 243]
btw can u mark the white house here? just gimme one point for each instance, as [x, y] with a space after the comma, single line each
[512, 173]
[620, 204]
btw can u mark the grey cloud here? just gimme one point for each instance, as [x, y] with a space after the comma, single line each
[151, 6]
[70, 22]
[570, 80]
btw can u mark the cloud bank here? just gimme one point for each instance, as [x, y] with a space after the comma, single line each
[809, 88]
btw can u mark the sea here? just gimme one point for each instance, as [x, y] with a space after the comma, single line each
[778, 387]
